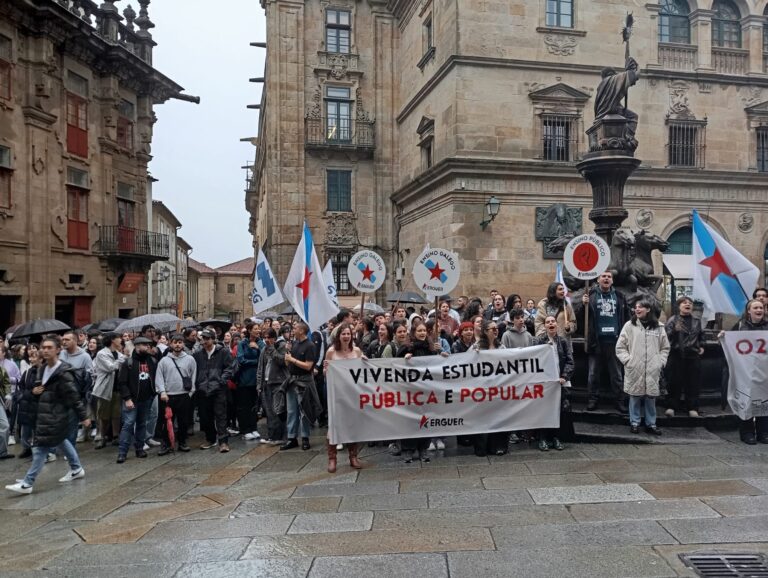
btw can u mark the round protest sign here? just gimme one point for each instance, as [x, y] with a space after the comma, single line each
[436, 272]
[366, 271]
[587, 256]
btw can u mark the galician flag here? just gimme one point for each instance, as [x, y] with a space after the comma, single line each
[559, 279]
[304, 288]
[266, 294]
[722, 277]
[330, 284]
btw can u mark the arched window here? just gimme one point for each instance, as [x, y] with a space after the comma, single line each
[680, 242]
[726, 28]
[674, 25]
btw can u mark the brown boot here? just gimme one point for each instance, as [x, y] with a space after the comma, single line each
[331, 457]
[353, 461]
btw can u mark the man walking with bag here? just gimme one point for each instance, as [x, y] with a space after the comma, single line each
[175, 382]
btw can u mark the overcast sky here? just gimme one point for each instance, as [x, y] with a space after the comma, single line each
[196, 148]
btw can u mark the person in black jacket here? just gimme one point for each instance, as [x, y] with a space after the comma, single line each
[608, 312]
[57, 395]
[683, 370]
[27, 403]
[136, 382]
[214, 369]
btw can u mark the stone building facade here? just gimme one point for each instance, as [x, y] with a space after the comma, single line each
[224, 292]
[77, 92]
[202, 290]
[163, 277]
[479, 98]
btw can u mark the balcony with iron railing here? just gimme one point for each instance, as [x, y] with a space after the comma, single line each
[673, 56]
[124, 242]
[733, 61]
[341, 134]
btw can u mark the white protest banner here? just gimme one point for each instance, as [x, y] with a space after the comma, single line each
[747, 356]
[433, 396]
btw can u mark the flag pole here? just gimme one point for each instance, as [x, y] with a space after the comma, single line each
[586, 318]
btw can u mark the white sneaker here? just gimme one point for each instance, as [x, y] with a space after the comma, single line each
[11, 441]
[80, 435]
[50, 458]
[692, 413]
[152, 442]
[252, 436]
[431, 447]
[339, 447]
[440, 444]
[19, 488]
[94, 433]
[146, 447]
[233, 432]
[265, 441]
[670, 412]
[76, 475]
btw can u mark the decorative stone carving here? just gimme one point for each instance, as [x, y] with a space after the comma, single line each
[315, 110]
[678, 100]
[644, 218]
[746, 222]
[753, 96]
[362, 115]
[337, 66]
[339, 63]
[341, 230]
[560, 44]
[556, 221]
[705, 87]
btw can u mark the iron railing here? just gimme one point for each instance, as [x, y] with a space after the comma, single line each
[118, 241]
[687, 144]
[345, 133]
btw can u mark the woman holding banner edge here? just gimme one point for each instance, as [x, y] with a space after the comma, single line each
[497, 442]
[343, 348]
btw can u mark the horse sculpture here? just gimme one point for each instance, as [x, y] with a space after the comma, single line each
[641, 266]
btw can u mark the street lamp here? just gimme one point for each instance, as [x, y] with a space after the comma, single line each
[492, 207]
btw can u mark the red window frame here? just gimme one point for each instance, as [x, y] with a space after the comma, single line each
[77, 125]
[5, 79]
[125, 132]
[6, 177]
[77, 218]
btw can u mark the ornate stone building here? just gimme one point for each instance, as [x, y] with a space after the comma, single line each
[77, 91]
[473, 99]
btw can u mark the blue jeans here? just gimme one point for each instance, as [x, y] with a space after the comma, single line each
[294, 415]
[39, 454]
[74, 425]
[635, 403]
[134, 426]
[5, 429]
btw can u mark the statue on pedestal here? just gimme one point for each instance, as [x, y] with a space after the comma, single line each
[612, 90]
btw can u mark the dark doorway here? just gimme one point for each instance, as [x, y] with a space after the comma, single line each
[74, 311]
[7, 311]
[125, 313]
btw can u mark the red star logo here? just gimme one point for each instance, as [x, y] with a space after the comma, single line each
[367, 272]
[304, 285]
[717, 266]
[436, 271]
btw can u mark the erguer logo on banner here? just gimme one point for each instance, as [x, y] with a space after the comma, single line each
[468, 393]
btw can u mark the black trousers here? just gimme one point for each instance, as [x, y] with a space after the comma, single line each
[213, 415]
[180, 404]
[246, 404]
[683, 378]
[758, 426]
[605, 356]
[275, 424]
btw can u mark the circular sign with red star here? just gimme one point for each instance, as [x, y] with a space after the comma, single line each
[366, 271]
[436, 272]
[587, 256]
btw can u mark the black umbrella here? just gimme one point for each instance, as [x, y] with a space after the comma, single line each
[109, 324]
[222, 324]
[288, 310]
[41, 327]
[405, 297]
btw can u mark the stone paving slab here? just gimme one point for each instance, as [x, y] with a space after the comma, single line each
[84, 555]
[471, 517]
[335, 522]
[523, 453]
[632, 533]
[495, 470]
[167, 491]
[264, 525]
[644, 510]
[14, 524]
[759, 483]
[254, 506]
[454, 485]
[573, 562]
[720, 530]
[739, 505]
[290, 461]
[121, 571]
[728, 472]
[645, 475]
[226, 476]
[383, 502]
[358, 489]
[544, 481]
[36, 548]
[369, 543]
[108, 502]
[589, 494]
[293, 568]
[393, 566]
[482, 498]
[663, 490]
[579, 466]
[214, 514]
[412, 474]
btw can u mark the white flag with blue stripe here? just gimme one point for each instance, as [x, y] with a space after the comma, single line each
[266, 293]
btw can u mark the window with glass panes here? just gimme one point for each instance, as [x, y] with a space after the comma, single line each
[339, 190]
[762, 149]
[5, 67]
[559, 140]
[77, 114]
[726, 28]
[339, 264]
[560, 13]
[427, 35]
[77, 209]
[126, 207]
[337, 30]
[125, 119]
[338, 114]
[6, 176]
[680, 242]
[674, 25]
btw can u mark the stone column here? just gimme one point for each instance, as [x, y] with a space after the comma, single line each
[752, 33]
[653, 36]
[701, 35]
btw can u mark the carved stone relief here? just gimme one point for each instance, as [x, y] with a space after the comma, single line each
[314, 110]
[644, 218]
[560, 44]
[341, 230]
[678, 100]
[746, 222]
[555, 221]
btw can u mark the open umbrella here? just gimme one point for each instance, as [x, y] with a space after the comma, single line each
[40, 327]
[109, 324]
[405, 297]
[163, 322]
[169, 426]
[265, 314]
[221, 324]
[288, 310]
[369, 308]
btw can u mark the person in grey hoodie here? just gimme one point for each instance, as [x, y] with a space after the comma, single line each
[82, 369]
[175, 382]
[517, 335]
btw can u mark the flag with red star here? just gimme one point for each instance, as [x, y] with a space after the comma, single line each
[723, 278]
[305, 287]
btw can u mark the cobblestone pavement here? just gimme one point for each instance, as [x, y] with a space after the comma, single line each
[591, 510]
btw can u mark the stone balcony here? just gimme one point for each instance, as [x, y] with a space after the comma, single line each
[126, 242]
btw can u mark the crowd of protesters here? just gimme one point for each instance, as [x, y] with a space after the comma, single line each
[136, 393]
